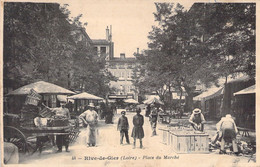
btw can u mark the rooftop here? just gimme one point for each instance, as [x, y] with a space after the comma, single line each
[100, 42]
[117, 59]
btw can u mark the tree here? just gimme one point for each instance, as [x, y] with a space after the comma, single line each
[199, 46]
[40, 44]
[37, 44]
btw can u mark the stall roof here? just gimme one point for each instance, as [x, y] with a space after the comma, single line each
[85, 96]
[210, 93]
[131, 101]
[153, 100]
[249, 90]
[41, 87]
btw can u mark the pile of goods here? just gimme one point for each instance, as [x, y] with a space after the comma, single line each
[34, 115]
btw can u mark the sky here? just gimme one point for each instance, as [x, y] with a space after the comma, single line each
[131, 21]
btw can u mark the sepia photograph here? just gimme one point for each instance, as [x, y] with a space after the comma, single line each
[128, 83]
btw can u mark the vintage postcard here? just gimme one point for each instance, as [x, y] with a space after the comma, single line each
[129, 83]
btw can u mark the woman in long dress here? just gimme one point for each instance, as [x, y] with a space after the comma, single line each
[138, 131]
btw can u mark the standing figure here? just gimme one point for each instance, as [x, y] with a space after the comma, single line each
[138, 131]
[197, 120]
[89, 117]
[229, 130]
[153, 120]
[62, 113]
[109, 115]
[148, 110]
[123, 127]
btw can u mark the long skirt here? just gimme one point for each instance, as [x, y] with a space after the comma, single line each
[91, 135]
[138, 132]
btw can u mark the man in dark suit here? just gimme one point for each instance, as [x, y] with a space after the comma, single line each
[123, 127]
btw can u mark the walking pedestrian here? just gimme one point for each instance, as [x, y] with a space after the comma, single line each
[197, 120]
[153, 119]
[138, 131]
[89, 117]
[123, 127]
[229, 130]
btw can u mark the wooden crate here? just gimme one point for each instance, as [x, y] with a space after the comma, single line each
[189, 142]
[165, 136]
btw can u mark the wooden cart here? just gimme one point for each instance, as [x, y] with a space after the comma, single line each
[24, 137]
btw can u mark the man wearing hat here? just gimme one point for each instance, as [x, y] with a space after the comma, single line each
[229, 130]
[62, 113]
[123, 127]
[89, 117]
[197, 120]
[153, 119]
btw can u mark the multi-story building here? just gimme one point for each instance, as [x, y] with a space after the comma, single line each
[122, 68]
[105, 47]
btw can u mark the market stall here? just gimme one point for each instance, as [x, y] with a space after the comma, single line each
[35, 118]
[131, 105]
[82, 100]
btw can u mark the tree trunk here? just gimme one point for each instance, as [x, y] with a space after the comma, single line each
[188, 99]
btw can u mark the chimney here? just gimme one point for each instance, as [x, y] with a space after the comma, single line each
[107, 34]
[122, 55]
[137, 50]
[110, 36]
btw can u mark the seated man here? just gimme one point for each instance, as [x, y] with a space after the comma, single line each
[197, 120]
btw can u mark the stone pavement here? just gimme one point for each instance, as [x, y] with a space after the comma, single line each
[109, 152]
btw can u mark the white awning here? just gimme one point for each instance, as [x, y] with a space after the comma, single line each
[210, 93]
[249, 90]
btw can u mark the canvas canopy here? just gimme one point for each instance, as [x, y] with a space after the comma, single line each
[153, 100]
[209, 94]
[131, 101]
[41, 87]
[249, 90]
[85, 96]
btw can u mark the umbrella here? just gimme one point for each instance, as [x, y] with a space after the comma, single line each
[153, 100]
[85, 96]
[41, 87]
[131, 101]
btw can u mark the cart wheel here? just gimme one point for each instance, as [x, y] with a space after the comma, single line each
[15, 136]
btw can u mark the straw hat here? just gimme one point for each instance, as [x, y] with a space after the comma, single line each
[196, 111]
[228, 116]
[91, 105]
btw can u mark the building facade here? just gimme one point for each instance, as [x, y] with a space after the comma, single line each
[122, 68]
[104, 47]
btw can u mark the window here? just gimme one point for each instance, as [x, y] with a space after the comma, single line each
[121, 66]
[103, 50]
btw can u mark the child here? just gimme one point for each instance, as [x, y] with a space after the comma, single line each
[123, 127]
[138, 131]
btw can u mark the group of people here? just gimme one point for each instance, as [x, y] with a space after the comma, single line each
[226, 129]
[138, 121]
[137, 131]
